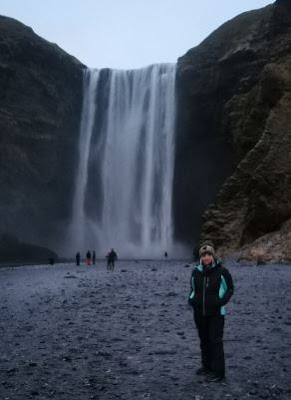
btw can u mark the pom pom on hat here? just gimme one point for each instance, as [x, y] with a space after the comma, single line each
[206, 249]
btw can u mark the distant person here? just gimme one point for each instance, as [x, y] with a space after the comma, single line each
[51, 261]
[94, 257]
[211, 288]
[112, 257]
[166, 254]
[88, 258]
[78, 256]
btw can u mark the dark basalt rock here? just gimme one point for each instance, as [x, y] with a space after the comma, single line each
[234, 102]
[14, 251]
[233, 155]
[40, 106]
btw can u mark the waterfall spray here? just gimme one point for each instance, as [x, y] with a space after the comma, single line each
[130, 156]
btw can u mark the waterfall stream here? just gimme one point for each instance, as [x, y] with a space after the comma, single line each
[123, 193]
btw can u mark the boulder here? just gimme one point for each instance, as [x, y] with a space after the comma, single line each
[14, 251]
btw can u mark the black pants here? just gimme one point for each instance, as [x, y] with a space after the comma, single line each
[210, 331]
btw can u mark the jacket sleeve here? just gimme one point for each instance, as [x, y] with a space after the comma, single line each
[192, 290]
[229, 288]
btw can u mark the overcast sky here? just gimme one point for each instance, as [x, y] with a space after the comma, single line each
[126, 33]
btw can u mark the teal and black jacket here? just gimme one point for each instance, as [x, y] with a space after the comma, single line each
[211, 289]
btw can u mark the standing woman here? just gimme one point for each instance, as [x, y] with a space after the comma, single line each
[211, 289]
[88, 257]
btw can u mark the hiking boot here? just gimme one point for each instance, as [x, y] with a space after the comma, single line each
[212, 377]
[203, 371]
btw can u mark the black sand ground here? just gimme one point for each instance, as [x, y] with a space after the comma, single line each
[83, 333]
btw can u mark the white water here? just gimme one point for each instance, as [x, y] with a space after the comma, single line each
[78, 228]
[131, 148]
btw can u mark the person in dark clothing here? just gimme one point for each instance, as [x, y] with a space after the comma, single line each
[211, 288]
[88, 258]
[112, 257]
[165, 254]
[78, 258]
[94, 257]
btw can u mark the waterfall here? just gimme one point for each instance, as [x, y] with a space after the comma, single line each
[78, 228]
[123, 195]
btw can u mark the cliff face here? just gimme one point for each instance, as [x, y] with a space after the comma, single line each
[233, 134]
[235, 88]
[40, 105]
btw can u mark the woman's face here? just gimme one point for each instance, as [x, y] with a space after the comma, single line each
[207, 259]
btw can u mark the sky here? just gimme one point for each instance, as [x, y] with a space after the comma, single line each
[126, 34]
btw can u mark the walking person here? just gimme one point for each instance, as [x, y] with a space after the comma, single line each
[211, 288]
[78, 256]
[112, 257]
[94, 258]
[88, 258]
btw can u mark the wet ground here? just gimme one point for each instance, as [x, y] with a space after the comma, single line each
[71, 332]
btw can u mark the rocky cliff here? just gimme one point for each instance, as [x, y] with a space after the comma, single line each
[233, 135]
[235, 101]
[40, 105]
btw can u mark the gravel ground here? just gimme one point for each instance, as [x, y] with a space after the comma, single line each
[71, 332]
